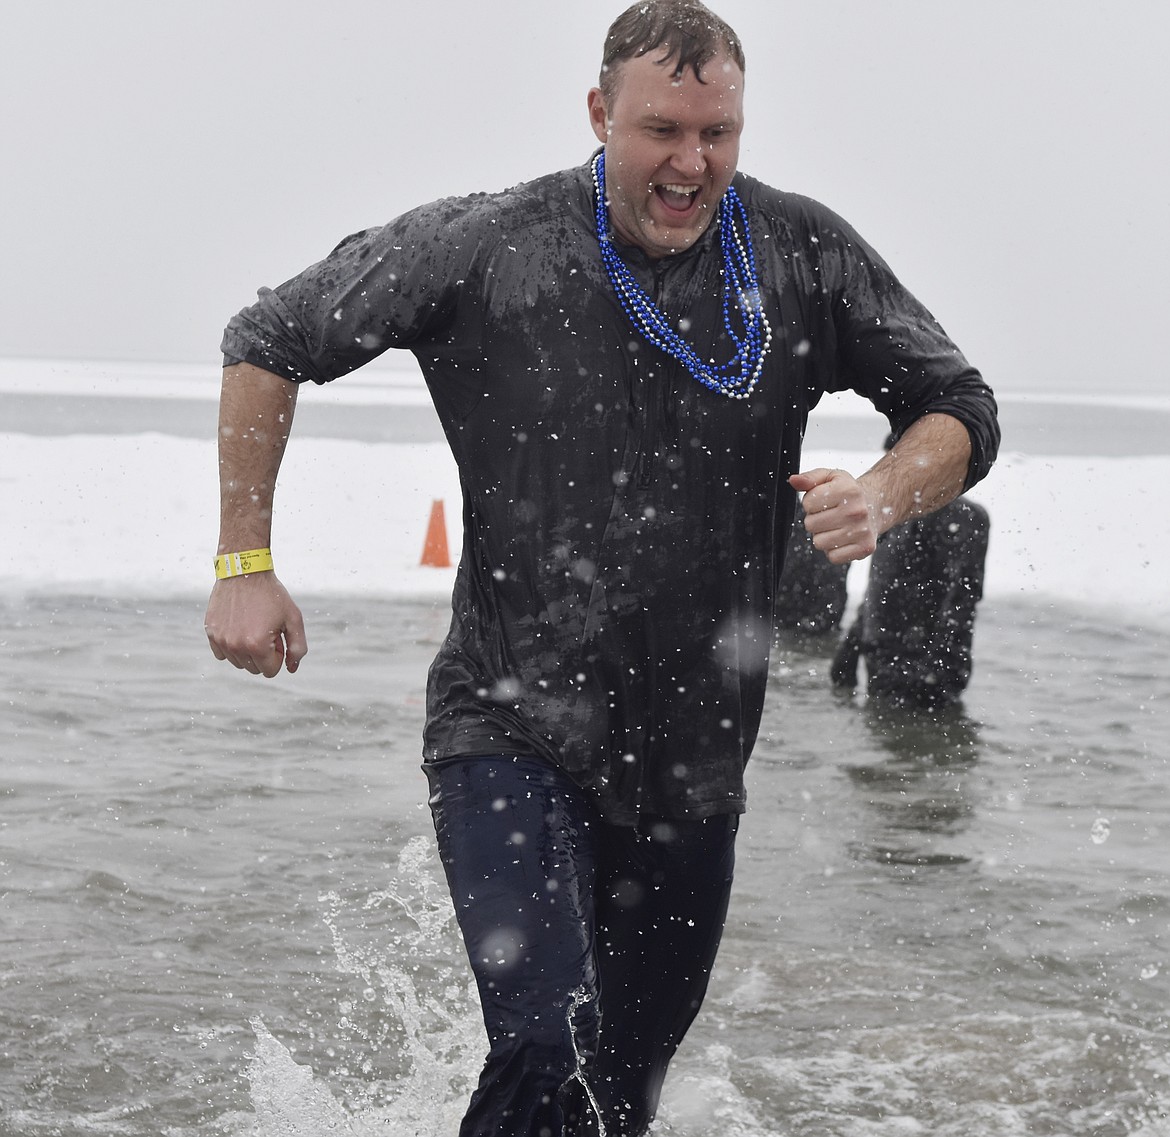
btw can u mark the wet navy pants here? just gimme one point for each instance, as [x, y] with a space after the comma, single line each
[591, 943]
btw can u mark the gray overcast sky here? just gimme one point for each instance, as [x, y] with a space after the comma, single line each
[1010, 158]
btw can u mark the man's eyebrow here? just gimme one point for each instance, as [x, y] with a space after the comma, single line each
[662, 120]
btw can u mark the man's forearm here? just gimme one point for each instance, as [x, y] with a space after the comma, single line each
[255, 417]
[923, 471]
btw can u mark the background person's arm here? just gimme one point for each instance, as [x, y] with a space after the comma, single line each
[251, 620]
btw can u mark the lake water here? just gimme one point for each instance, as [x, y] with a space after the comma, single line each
[220, 912]
[955, 928]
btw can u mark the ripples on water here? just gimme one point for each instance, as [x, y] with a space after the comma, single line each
[220, 912]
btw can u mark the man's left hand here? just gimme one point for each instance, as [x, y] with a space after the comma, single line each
[838, 513]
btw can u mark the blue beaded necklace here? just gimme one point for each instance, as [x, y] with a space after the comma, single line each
[737, 377]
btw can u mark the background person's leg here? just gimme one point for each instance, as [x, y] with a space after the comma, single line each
[516, 838]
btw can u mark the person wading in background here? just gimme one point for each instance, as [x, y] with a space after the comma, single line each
[916, 624]
[623, 356]
[812, 593]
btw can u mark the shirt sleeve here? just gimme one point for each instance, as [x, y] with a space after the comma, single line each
[397, 285]
[893, 351]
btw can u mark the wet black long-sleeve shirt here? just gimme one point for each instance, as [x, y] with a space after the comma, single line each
[624, 526]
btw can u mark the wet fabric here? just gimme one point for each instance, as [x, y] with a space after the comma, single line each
[592, 944]
[623, 526]
[813, 592]
[916, 624]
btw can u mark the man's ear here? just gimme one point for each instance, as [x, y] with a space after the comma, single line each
[598, 115]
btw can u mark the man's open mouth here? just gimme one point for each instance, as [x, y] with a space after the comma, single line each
[677, 198]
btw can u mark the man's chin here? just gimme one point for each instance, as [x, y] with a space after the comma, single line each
[663, 238]
[676, 238]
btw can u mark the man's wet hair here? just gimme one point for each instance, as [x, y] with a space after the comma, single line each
[686, 33]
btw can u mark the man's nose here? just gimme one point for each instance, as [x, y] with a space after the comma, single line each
[690, 157]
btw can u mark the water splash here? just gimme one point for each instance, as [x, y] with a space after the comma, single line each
[288, 1100]
[415, 1033]
[705, 1099]
[577, 1000]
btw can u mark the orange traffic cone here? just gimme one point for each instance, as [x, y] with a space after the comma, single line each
[435, 554]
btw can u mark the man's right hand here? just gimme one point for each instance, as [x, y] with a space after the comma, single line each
[253, 623]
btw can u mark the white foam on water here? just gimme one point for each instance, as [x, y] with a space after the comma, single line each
[709, 1101]
[418, 1004]
[946, 1079]
[287, 1099]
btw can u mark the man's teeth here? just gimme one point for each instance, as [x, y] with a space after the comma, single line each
[678, 198]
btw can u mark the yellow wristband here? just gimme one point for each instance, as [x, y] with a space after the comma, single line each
[240, 564]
